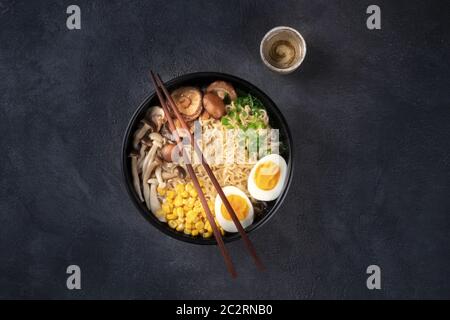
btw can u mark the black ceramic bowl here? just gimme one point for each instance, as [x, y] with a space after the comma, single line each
[202, 79]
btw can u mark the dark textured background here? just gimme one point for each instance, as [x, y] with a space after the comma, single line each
[369, 111]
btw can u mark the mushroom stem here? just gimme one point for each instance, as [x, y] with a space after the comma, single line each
[155, 205]
[158, 173]
[141, 133]
[151, 155]
[150, 163]
[135, 174]
[141, 157]
[146, 176]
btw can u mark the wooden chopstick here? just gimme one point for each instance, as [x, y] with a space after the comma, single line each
[190, 169]
[211, 175]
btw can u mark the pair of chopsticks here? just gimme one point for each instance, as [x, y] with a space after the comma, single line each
[168, 105]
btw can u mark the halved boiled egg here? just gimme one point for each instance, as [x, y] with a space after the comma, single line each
[267, 178]
[241, 206]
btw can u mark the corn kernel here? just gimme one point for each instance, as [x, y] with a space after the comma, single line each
[193, 193]
[197, 210]
[190, 202]
[179, 188]
[178, 202]
[187, 231]
[192, 215]
[171, 216]
[194, 233]
[173, 224]
[184, 194]
[207, 234]
[166, 207]
[199, 225]
[170, 194]
[188, 225]
[180, 227]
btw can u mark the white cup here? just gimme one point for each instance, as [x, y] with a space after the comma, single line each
[284, 43]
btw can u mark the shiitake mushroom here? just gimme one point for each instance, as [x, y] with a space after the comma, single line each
[222, 89]
[189, 102]
[167, 151]
[214, 105]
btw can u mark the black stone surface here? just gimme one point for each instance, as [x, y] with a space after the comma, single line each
[369, 111]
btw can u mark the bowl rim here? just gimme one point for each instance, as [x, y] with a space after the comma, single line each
[127, 179]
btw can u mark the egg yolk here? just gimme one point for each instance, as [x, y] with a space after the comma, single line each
[239, 205]
[267, 175]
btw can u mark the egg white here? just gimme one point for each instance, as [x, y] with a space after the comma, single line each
[267, 195]
[228, 225]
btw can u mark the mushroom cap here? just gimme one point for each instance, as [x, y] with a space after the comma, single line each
[144, 127]
[166, 152]
[177, 172]
[134, 153]
[156, 136]
[180, 171]
[205, 115]
[222, 88]
[147, 123]
[214, 105]
[156, 116]
[188, 101]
